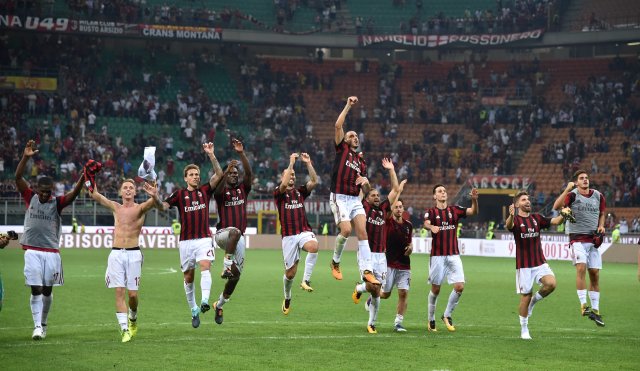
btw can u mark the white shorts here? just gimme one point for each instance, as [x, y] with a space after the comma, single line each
[401, 278]
[291, 246]
[449, 266]
[525, 277]
[192, 251]
[345, 207]
[586, 253]
[124, 269]
[42, 268]
[379, 266]
[222, 238]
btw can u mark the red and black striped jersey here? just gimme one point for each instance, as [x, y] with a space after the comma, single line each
[193, 207]
[232, 207]
[376, 217]
[526, 232]
[347, 166]
[291, 211]
[445, 242]
[399, 236]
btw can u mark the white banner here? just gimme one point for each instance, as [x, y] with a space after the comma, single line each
[553, 250]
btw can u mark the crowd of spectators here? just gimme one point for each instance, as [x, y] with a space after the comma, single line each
[509, 15]
[75, 120]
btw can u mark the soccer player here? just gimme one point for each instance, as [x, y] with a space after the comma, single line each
[445, 261]
[531, 266]
[196, 244]
[588, 206]
[41, 240]
[4, 241]
[347, 178]
[124, 266]
[399, 247]
[376, 213]
[296, 232]
[231, 200]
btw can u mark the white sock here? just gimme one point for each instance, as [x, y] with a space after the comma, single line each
[122, 320]
[36, 310]
[433, 299]
[582, 296]
[133, 315]
[221, 301]
[205, 285]
[524, 324]
[361, 287]
[373, 310]
[337, 251]
[454, 297]
[399, 319]
[364, 256]
[287, 286]
[191, 296]
[594, 296]
[46, 305]
[310, 262]
[534, 299]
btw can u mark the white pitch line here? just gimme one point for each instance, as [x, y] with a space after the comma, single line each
[313, 337]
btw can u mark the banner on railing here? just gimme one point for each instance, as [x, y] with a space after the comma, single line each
[500, 182]
[30, 83]
[83, 26]
[553, 250]
[434, 41]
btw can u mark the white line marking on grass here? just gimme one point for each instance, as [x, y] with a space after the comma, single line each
[424, 335]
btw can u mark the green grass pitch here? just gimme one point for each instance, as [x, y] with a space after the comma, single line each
[324, 329]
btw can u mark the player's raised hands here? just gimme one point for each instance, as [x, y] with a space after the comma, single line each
[30, 148]
[208, 148]
[570, 186]
[401, 186]
[292, 158]
[237, 145]
[512, 209]
[387, 163]
[304, 157]
[151, 189]
[352, 101]
[474, 193]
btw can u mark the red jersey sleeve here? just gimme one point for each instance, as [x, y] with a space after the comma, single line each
[173, 198]
[27, 195]
[543, 221]
[569, 198]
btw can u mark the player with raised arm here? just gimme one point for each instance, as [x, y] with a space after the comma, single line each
[444, 262]
[399, 247]
[376, 213]
[585, 236]
[296, 232]
[124, 266]
[41, 240]
[196, 244]
[231, 199]
[347, 178]
[531, 265]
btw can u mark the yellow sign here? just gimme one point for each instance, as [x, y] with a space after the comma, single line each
[31, 83]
